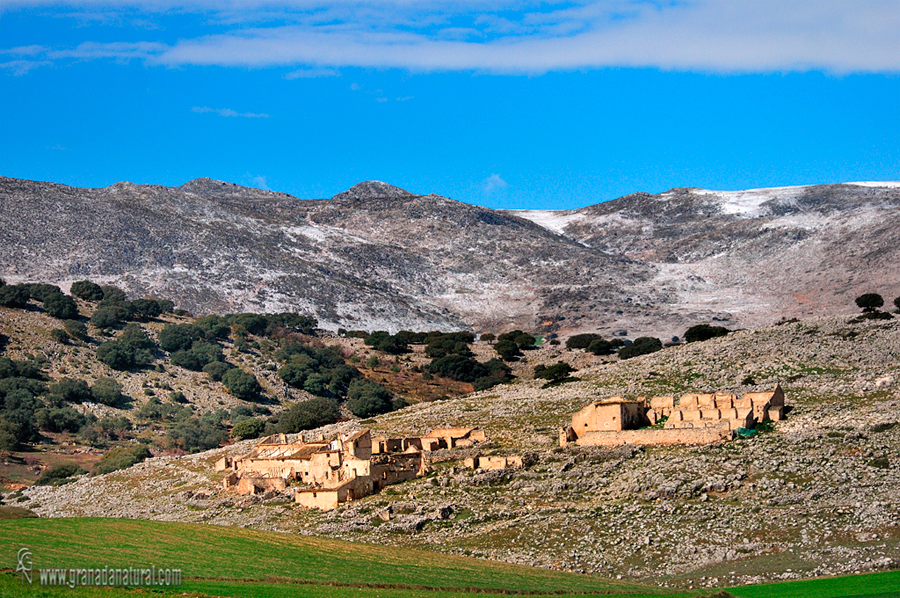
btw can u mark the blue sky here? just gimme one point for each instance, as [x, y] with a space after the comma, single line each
[513, 104]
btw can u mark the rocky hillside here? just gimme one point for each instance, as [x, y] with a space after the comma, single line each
[749, 257]
[815, 495]
[377, 256]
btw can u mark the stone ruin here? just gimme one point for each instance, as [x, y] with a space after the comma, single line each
[695, 419]
[333, 472]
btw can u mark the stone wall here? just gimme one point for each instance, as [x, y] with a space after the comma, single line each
[656, 437]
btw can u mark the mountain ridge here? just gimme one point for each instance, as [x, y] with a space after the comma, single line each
[378, 256]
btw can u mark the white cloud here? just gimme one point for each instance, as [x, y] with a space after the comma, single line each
[228, 112]
[493, 184]
[519, 36]
[312, 73]
[21, 67]
[259, 181]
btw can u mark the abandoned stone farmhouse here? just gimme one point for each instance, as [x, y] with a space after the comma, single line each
[333, 472]
[694, 419]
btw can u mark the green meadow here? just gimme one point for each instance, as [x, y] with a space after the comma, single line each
[239, 563]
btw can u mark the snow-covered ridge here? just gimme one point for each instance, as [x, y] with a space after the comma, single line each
[746, 203]
[552, 220]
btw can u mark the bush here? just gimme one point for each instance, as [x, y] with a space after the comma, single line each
[252, 323]
[314, 413]
[199, 434]
[146, 309]
[132, 348]
[523, 340]
[467, 369]
[869, 301]
[86, 290]
[641, 346]
[382, 341]
[122, 458]
[60, 419]
[248, 428]
[61, 306]
[178, 337]
[110, 316]
[59, 335]
[241, 384]
[373, 362]
[71, 390]
[14, 295]
[75, 329]
[59, 475]
[554, 373]
[488, 337]
[107, 391]
[213, 327]
[601, 346]
[704, 332]
[40, 292]
[367, 398]
[581, 341]
[217, 369]
[302, 362]
[449, 344]
[198, 356]
[507, 350]
[113, 294]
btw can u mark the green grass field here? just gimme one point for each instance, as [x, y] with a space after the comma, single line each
[239, 563]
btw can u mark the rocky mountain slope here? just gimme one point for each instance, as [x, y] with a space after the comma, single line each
[377, 256]
[814, 496]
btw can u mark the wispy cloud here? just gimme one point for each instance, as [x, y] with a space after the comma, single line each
[516, 36]
[259, 181]
[493, 184]
[228, 112]
[314, 73]
[21, 67]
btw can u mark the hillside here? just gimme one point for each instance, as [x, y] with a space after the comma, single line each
[379, 257]
[65, 398]
[812, 497]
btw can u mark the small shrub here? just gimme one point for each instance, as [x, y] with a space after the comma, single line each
[869, 301]
[367, 398]
[59, 475]
[880, 463]
[15, 295]
[704, 332]
[314, 413]
[107, 391]
[122, 458]
[554, 373]
[60, 306]
[40, 292]
[75, 329]
[60, 336]
[241, 384]
[71, 390]
[110, 316]
[641, 346]
[248, 428]
[217, 369]
[178, 337]
[581, 341]
[86, 290]
[601, 346]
